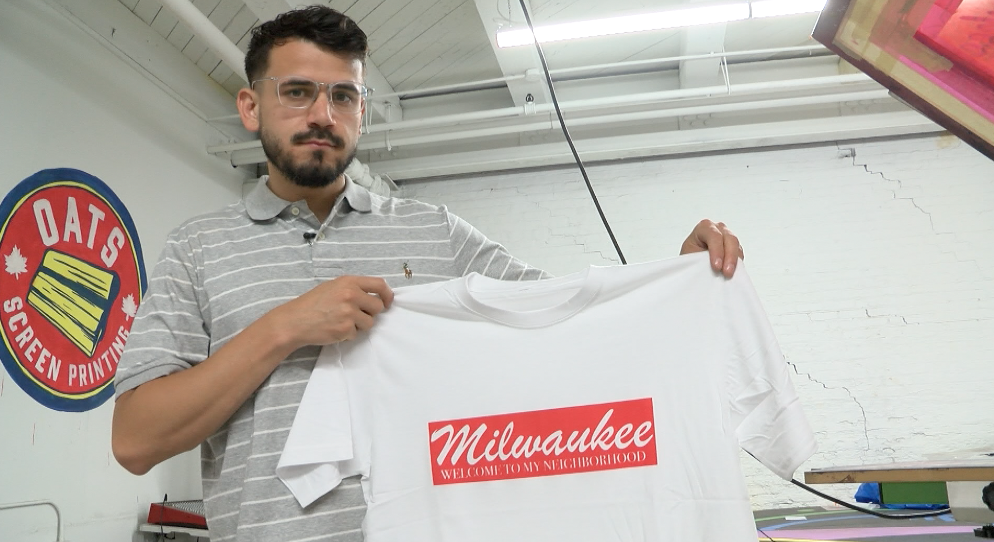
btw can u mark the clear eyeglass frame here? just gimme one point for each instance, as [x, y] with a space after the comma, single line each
[298, 92]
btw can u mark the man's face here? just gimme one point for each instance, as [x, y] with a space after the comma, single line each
[309, 147]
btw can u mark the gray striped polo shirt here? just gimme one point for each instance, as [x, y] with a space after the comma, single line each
[222, 271]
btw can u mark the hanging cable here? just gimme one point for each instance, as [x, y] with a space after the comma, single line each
[913, 515]
[861, 509]
[840, 502]
[562, 123]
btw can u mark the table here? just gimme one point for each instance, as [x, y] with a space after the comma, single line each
[194, 534]
[949, 470]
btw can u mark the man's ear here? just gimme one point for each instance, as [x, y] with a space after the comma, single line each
[247, 102]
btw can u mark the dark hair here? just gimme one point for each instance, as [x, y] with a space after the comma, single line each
[330, 30]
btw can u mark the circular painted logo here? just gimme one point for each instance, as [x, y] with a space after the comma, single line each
[71, 280]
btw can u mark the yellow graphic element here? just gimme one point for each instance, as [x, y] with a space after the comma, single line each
[74, 296]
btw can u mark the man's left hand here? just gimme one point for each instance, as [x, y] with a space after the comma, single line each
[723, 246]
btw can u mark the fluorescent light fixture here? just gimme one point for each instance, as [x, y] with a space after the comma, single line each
[774, 8]
[632, 23]
[659, 21]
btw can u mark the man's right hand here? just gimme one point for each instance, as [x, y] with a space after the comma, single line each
[333, 311]
[175, 413]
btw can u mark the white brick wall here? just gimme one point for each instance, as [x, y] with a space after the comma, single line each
[874, 260]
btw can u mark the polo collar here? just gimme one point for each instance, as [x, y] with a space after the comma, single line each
[357, 196]
[262, 204]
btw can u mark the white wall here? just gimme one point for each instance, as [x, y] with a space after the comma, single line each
[66, 101]
[874, 261]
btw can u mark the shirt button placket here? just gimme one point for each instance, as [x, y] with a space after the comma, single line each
[329, 251]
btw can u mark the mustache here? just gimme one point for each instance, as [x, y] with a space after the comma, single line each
[318, 134]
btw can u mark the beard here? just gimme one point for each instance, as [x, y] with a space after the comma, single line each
[318, 172]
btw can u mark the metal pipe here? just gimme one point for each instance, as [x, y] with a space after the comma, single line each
[639, 147]
[250, 152]
[121, 55]
[700, 56]
[58, 514]
[367, 144]
[595, 67]
[630, 99]
[216, 41]
[471, 85]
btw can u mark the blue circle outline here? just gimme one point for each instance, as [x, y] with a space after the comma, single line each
[28, 185]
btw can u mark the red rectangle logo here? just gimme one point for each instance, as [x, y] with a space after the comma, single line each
[543, 442]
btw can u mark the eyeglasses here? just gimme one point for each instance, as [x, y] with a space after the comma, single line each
[300, 93]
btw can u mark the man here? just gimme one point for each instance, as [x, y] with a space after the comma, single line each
[242, 299]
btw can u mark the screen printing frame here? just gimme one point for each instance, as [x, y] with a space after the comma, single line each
[878, 38]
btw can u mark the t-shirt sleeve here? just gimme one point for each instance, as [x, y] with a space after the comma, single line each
[168, 334]
[474, 252]
[764, 409]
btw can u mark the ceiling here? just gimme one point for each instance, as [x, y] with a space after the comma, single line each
[447, 101]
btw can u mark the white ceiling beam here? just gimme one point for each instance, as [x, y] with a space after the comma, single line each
[675, 142]
[425, 142]
[386, 110]
[700, 40]
[764, 95]
[706, 72]
[514, 61]
[112, 24]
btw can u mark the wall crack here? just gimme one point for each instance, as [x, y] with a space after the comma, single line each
[850, 152]
[903, 319]
[866, 430]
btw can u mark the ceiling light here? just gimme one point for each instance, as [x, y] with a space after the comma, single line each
[659, 21]
[773, 8]
[632, 23]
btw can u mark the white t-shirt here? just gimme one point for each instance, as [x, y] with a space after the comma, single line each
[606, 405]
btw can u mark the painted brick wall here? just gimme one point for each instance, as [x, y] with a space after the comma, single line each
[874, 261]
